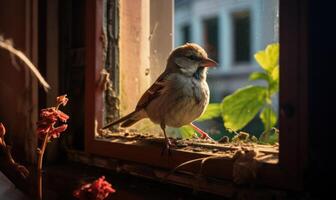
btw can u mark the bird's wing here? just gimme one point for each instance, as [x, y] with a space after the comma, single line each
[153, 92]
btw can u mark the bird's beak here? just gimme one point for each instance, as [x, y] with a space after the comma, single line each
[207, 62]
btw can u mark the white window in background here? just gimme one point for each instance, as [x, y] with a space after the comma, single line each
[241, 28]
[256, 20]
[210, 37]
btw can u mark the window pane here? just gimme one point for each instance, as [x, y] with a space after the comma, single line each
[231, 32]
[241, 33]
[210, 37]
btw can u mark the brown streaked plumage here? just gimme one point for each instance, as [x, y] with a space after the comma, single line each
[179, 95]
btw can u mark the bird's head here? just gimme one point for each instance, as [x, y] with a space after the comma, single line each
[190, 60]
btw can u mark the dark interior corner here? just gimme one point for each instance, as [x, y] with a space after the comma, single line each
[34, 30]
[320, 167]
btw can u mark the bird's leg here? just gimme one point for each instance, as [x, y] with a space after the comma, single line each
[200, 131]
[167, 141]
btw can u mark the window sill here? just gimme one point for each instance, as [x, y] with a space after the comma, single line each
[140, 155]
[266, 153]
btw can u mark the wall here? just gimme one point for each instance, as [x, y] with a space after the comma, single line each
[18, 102]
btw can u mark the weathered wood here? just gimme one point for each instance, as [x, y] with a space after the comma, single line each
[186, 177]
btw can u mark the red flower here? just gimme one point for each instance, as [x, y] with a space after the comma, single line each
[97, 190]
[62, 100]
[55, 133]
[2, 134]
[51, 115]
[49, 118]
[62, 116]
[2, 130]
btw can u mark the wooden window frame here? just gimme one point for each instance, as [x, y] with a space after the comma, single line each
[287, 174]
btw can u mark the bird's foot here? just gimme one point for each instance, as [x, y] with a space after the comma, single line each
[168, 146]
[203, 134]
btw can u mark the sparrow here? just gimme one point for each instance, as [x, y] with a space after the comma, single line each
[178, 96]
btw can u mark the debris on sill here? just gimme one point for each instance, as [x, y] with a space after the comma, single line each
[245, 166]
[241, 142]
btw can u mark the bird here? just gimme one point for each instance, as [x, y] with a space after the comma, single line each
[178, 96]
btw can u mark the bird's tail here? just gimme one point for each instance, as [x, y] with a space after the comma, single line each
[129, 119]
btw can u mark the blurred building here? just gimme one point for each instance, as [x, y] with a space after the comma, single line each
[231, 31]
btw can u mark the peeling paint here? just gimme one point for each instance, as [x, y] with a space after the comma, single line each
[110, 76]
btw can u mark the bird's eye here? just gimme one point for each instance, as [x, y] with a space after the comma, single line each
[193, 57]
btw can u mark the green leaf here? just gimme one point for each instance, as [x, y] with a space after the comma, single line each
[213, 110]
[269, 58]
[274, 87]
[275, 73]
[259, 76]
[240, 108]
[187, 132]
[274, 84]
[268, 117]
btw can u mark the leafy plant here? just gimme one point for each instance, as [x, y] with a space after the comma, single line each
[243, 105]
[239, 108]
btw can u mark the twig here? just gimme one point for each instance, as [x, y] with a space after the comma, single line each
[245, 162]
[40, 153]
[151, 35]
[189, 162]
[8, 46]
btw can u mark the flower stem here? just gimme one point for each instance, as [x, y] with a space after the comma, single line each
[62, 100]
[39, 166]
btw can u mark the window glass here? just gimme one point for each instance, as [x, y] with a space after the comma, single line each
[232, 32]
[241, 33]
[210, 37]
[243, 90]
